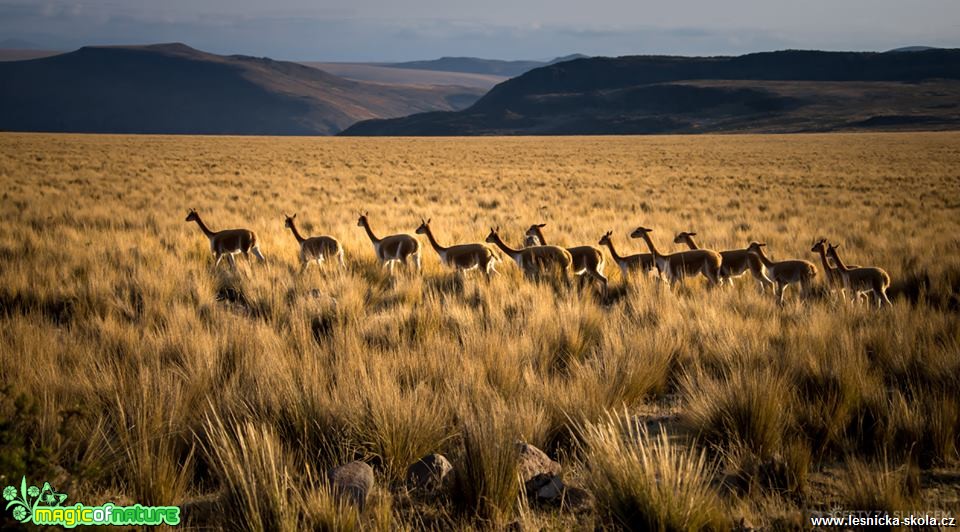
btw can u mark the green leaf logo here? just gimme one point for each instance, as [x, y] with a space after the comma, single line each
[25, 500]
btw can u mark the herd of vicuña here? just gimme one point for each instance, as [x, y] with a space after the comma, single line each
[537, 258]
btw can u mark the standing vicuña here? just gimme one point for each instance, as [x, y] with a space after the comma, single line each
[394, 248]
[735, 262]
[832, 273]
[677, 266]
[534, 260]
[785, 273]
[316, 248]
[461, 257]
[862, 280]
[586, 259]
[639, 262]
[228, 242]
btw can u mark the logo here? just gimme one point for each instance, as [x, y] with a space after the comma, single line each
[45, 507]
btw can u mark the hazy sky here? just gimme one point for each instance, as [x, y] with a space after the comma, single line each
[390, 30]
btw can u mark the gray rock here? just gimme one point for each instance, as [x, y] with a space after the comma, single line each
[535, 467]
[431, 473]
[353, 480]
[551, 491]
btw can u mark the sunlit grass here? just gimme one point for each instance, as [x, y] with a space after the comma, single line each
[129, 364]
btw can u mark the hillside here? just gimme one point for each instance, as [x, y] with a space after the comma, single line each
[476, 65]
[384, 73]
[18, 54]
[173, 88]
[766, 92]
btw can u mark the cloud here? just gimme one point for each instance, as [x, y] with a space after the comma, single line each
[306, 33]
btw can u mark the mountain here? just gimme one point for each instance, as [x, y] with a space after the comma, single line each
[475, 65]
[23, 54]
[913, 49]
[172, 88]
[766, 92]
[380, 73]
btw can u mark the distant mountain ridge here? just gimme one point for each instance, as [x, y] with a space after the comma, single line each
[476, 65]
[790, 90]
[173, 88]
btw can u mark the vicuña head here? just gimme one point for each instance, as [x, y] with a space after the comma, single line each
[605, 239]
[362, 221]
[640, 231]
[289, 220]
[192, 216]
[682, 237]
[494, 235]
[820, 246]
[424, 226]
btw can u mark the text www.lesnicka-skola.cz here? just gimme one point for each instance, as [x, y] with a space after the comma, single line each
[858, 519]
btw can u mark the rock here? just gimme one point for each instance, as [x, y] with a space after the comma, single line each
[353, 480]
[536, 483]
[551, 491]
[535, 467]
[744, 525]
[432, 472]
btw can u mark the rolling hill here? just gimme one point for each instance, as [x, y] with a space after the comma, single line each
[384, 73]
[767, 92]
[172, 88]
[476, 65]
[23, 54]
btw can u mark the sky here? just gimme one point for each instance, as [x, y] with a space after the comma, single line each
[399, 30]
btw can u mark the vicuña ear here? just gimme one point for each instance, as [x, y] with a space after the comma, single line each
[692, 234]
[542, 225]
[429, 219]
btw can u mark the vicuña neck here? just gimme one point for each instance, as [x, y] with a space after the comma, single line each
[650, 244]
[433, 241]
[764, 258]
[691, 243]
[840, 264]
[366, 227]
[823, 260]
[613, 252]
[502, 245]
[539, 233]
[203, 227]
[296, 233]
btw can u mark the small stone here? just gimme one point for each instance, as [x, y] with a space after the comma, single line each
[551, 491]
[535, 467]
[430, 473]
[353, 480]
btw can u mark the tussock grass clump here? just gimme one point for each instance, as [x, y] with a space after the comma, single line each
[648, 482]
[879, 487]
[745, 407]
[398, 428]
[487, 483]
[255, 473]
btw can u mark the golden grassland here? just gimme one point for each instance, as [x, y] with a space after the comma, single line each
[133, 370]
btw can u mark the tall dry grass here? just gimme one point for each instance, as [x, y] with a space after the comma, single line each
[130, 366]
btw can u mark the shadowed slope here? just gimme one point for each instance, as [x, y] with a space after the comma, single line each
[173, 88]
